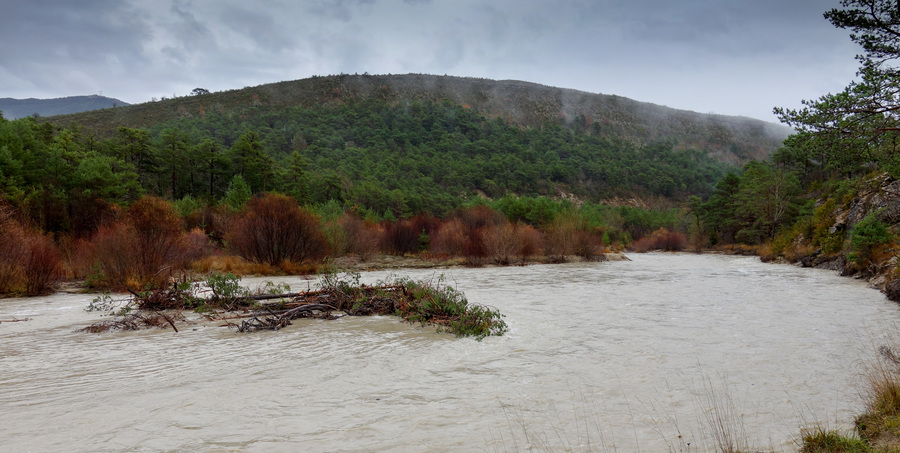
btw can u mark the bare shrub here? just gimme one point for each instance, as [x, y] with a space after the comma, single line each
[351, 225]
[502, 242]
[335, 238]
[569, 235]
[273, 228]
[588, 244]
[478, 217]
[42, 265]
[661, 239]
[157, 232]
[672, 241]
[530, 242]
[215, 221]
[449, 239]
[13, 251]
[114, 253]
[194, 246]
[426, 225]
[89, 214]
[473, 249]
[78, 255]
[400, 237]
[559, 239]
[363, 238]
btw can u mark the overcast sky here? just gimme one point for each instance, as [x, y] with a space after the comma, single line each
[734, 57]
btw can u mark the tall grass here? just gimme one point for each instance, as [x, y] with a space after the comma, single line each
[879, 426]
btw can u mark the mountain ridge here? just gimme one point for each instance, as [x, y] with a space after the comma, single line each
[525, 104]
[19, 108]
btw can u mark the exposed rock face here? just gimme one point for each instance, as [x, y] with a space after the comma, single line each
[880, 195]
[883, 197]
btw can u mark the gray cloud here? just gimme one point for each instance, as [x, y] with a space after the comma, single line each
[727, 56]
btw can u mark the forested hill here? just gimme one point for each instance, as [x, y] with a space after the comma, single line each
[726, 138]
[20, 108]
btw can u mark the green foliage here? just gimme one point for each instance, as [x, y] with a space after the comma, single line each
[535, 211]
[752, 207]
[766, 201]
[425, 303]
[382, 160]
[238, 193]
[822, 222]
[225, 288]
[822, 441]
[868, 234]
[428, 301]
[186, 206]
[106, 303]
[844, 133]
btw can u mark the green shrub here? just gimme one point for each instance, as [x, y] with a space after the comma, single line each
[821, 441]
[868, 234]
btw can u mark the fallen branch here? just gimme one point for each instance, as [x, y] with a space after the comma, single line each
[135, 321]
[14, 320]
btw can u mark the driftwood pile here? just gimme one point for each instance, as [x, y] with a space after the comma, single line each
[220, 299]
[363, 301]
[163, 307]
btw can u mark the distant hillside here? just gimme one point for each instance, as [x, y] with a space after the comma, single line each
[20, 108]
[726, 138]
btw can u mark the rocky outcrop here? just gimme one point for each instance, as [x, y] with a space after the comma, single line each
[880, 195]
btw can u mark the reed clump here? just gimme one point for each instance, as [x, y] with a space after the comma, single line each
[879, 426]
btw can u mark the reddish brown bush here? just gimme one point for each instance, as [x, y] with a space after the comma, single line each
[400, 237]
[559, 243]
[588, 244]
[78, 255]
[273, 228]
[215, 222]
[157, 231]
[449, 239]
[13, 252]
[425, 223]
[114, 249]
[530, 242]
[501, 242]
[661, 239]
[194, 246]
[30, 262]
[477, 217]
[88, 215]
[42, 265]
[473, 250]
[351, 225]
[564, 237]
[362, 238]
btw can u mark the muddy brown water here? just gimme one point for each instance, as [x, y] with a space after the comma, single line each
[617, 356]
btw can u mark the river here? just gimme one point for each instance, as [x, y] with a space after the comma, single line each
[623, 356]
